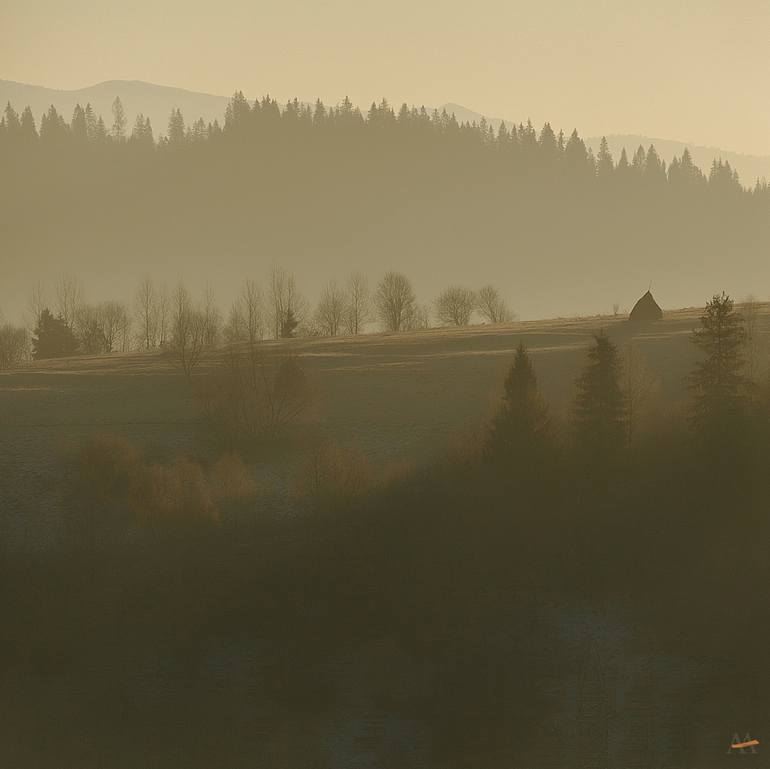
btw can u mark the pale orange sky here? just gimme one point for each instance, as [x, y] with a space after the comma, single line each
[693, 70]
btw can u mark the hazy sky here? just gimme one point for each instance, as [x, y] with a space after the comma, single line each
[694, 70]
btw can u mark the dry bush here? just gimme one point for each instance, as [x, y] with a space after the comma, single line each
[251, 397]
[111, 485]
[230, 480]
[174, 494]
[108, 468]
[337, 476]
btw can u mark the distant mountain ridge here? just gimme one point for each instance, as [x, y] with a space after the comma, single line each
[157, 101]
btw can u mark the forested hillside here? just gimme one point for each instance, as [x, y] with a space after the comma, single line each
[324, 190]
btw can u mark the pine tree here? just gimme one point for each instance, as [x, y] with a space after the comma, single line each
[599, 413]
[53, 129]
[12, 122]
[118, 120]
[521, 429]
[637, 164]
[100, 132]
[176, 130]
[27, 130]
[576, 155]
[91, 123]
[549, 149]
[718, 385]
[605, 166]
[53, 338]
[654, 167]
[78, 126]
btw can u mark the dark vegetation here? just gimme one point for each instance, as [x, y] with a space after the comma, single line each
[515, 604]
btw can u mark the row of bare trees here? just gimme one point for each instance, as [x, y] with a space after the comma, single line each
[159, 318]
[455, 306]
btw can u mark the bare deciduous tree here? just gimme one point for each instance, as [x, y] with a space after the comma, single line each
[235, 328]
[37, 303]
[111, 319]
[147, 313]
[87, 329]
[69, 298]
[188, 331]
[212, 320]
[252, 311]
[358, 306]
[455, 305]
[14, 346]
[418, 319]
[286, 304]
[331, 310]
[164, 315]
[492, 306]
[395, 301]
[124, 330]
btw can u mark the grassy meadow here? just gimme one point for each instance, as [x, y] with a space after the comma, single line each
[397, 398]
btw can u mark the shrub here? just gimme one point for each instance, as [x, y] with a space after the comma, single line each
[230, 480]
[111, 486]
[251, 397]
[337, 476]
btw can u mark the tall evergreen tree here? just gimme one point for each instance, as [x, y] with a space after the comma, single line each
[605, 166]
[718, 385]
[520, 431]
[119, 120]
[12, 122]
[52, 338]
[91, 123]
[27, 130]
[78, 126]
[176, 129]
[599, 413]
[53, 129]
[576, 155]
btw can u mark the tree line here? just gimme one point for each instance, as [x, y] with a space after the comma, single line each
[265, 121]
[161, 319]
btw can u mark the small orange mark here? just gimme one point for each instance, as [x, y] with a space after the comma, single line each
[749, 744]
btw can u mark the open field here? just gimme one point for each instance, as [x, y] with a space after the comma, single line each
[393, 396]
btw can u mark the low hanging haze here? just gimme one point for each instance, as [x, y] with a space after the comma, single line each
[692, 71]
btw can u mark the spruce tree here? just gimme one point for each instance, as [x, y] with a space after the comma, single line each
[176, 129]
[12, 122]
[118, 120]
[718, 386]
[53, 338]
[599, 410]
[604, 163]
[520, 430]
[27, 130]
[78, 126]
